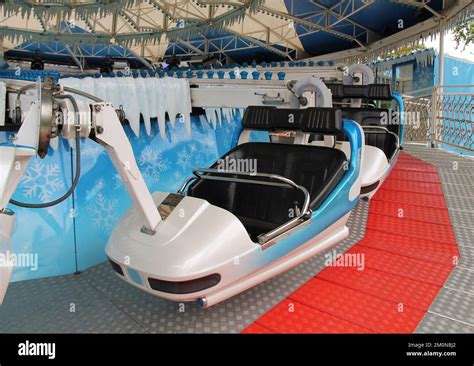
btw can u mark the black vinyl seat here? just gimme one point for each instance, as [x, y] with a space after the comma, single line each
[262, 208]
[383, 140]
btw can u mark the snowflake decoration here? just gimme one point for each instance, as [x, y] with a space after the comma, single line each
[152, 163]
[208, 147]
[42, 181]
[192, 148]
[177, 176]
[103, 213]
[96, 188]
[184, 158]
[93, 151]
[118, 185]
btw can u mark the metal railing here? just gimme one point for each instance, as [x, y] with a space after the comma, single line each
[441, 115]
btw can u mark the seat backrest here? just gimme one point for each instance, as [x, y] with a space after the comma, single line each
[322, 120]
[371, 117]
[375, 117]
[369, 92]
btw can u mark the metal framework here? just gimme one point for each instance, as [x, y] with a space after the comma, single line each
[190, 27]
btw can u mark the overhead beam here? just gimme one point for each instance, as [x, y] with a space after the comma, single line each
[259, 43]
[425, 28]
[71, 52]
[192, 47]
[141, 59]
[74, 57]
[301, 51]
[308, 23]
[345, 17]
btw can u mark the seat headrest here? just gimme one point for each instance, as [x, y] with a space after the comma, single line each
[371, 91]
[258, 118]
[321, 120]
[366, 116]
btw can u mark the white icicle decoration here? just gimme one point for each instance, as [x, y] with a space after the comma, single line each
[227, 114]
[152, 97]
[143, 102]
[211, 117]
[203, 119]
[219, 115]
[131, 105]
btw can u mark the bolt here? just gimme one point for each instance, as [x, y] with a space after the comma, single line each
[99, 129]
[97, 108]
[303, 101]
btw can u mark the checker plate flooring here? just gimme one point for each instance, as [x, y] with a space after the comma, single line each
[96, 301]
[410, 250]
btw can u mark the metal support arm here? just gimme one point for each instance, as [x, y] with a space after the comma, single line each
[110, 134]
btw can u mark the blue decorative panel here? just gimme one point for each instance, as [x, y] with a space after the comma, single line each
[456, 72]
[71, 236]
[45, 237]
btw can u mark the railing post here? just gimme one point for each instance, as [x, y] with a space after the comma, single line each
[434, 116]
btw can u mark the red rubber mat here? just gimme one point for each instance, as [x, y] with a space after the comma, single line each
[414, 176]
[425, 250]
[415, 167]
[412, 186]
[384, 285]
[413, 198]
[416, 228]
[410, 212]
[407, 254]
[291, 316]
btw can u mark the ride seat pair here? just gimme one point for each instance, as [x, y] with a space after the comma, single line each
[260, 207]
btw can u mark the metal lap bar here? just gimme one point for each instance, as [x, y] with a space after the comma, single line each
[283, 182]
[185, 184]
[383, 129]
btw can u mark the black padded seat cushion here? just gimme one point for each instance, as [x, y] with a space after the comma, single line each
[262, 208]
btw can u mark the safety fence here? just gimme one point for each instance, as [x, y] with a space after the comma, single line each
[441, 115]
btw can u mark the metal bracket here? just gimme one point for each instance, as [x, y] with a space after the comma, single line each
[46, 115]
[269, 100]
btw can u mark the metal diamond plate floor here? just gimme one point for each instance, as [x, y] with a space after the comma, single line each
[96, 301]
[409, 251]
[453, 309]
[103, 303]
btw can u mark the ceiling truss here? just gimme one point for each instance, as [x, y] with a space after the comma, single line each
[155, 26]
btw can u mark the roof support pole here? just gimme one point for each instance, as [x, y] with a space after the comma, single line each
[141, 59]
[441, 58]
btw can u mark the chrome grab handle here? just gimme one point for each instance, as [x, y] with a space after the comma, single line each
[185, 184]
[283, 182]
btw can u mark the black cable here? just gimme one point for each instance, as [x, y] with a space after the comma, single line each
[78, 165]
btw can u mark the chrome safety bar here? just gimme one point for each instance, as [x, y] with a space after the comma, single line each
[185, 184]
[283, 182]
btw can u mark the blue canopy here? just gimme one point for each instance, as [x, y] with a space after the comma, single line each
[241, 31]
[57, 52]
